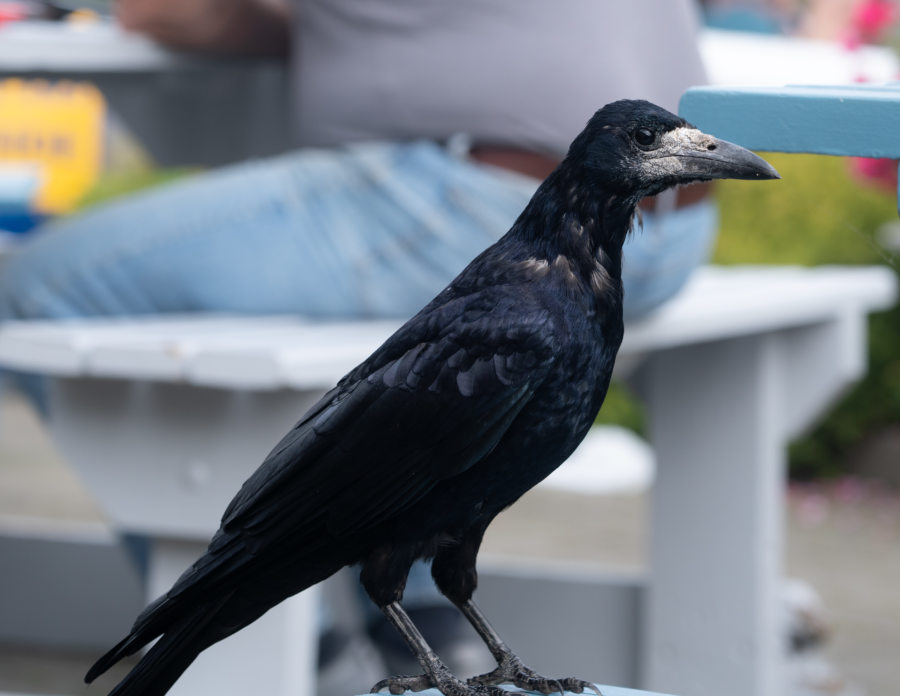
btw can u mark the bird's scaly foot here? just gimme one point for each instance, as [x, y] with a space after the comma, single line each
[445, 682]
[512, 671]
[399, 685]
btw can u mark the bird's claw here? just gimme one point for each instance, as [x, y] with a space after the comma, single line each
[448, 687]
[512, 671]
[400, 685]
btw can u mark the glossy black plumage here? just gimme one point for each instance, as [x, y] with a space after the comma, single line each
[471, 403]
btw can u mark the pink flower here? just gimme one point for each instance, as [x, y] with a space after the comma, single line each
[881, 172]
[872, 18]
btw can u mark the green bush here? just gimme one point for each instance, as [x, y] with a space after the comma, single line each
[817, 214]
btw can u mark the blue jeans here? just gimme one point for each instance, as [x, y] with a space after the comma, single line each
[373, 230]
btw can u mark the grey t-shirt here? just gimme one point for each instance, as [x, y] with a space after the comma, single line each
[526, 73]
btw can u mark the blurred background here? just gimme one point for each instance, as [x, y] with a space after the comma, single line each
[89, 112]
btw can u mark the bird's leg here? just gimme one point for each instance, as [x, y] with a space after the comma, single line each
[454, 573]
[384, 578]
[509, 667]
[436, 673]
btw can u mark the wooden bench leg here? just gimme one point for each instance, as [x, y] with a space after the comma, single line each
[716, 549]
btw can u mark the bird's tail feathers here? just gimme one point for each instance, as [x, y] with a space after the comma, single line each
[173, 653]
[149, 624]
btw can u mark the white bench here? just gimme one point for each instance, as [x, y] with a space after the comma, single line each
[163, 418]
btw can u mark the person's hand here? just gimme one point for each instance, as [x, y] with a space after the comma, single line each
[217, 26]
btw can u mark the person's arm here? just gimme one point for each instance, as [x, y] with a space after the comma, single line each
[239, 27]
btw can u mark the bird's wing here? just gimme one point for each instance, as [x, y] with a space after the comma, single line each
[426, 406]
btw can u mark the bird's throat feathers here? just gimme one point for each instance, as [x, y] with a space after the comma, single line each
[574, 230]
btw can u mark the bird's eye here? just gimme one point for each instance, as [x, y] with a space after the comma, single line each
[644, 137]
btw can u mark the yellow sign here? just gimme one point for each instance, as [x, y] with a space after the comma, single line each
[57, 127]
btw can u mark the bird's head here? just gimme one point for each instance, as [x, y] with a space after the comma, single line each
[637, 149]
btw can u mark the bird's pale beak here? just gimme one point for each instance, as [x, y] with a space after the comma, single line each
[719, 159]
[700, 157]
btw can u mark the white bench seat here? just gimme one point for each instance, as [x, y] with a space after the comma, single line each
[290, 352]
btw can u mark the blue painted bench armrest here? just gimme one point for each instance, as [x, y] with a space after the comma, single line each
[854, 120]
[605, 690]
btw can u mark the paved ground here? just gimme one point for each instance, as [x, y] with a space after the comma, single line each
[844, 539]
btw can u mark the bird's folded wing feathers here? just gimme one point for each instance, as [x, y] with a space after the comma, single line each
[427, 405]
[377, 444]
